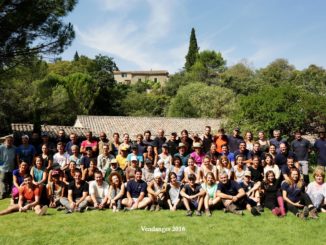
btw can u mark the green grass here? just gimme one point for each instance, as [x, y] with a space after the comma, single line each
[105, 227]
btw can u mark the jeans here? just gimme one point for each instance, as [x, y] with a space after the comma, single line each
[65, 202]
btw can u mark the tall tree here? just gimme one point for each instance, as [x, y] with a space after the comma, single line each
[33, 27]
[192, 51]
[76, 56]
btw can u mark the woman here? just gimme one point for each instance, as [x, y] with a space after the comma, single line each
[88, 173]
[297, 201]
[210, 187]
[47, 159]
[115, 144]
[272, 197]
[207, 167]
[271, 166]
[38, 174]
[161, 169]
[197, 155]
[55, 189]
[151, 155]
[317, 190]
[272, 151]
[249, 139]
[125, 144]
[192, 169]
[116, 191]
[239, 169]
[225, 166]
[18, 179]
[76, 157]
[69, 173]
[165, 156]
[263, 142]
[178, 169]
[173, 189]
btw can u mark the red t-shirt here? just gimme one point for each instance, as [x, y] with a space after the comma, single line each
[29, 193]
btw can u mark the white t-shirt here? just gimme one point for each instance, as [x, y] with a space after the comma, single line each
[62, 159]
[100, 192]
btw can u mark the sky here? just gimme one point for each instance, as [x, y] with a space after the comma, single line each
[154, 34]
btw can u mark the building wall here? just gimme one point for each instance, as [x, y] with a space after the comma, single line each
[129, 78]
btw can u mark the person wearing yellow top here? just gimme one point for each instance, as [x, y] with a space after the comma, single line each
[122, 158]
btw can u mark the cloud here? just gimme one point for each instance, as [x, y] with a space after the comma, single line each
[137, 38]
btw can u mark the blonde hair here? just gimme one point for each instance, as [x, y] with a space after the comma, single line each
[319, 171]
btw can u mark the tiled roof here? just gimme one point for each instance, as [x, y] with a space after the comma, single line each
[162, 72]
[52, 130]
[136, 125]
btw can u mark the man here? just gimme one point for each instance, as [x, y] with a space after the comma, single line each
[277, 140]
[89, 142]
[284, 153]
[147, 138]
[159, 140]
[122, 158]
[182, 154]
[45, 141]
[98, 192]
[207, 139]
[73, 141]
[285, 168]
[173, 143]
[320, 148]
[301, 148]
[220, 139]
[244, 152]
[134, 153]
[213, 154]
[141, 147]
[61, 137]
[26, 152]
[193, 196]
[228, 154]
[103, 141]
[7, 165]
[234, 140]
[156, 190]
[61, 158]
[232, 195]
[77, 194]
[256, 151]
[29, 198]
[104, 159]
[148, 171]
[136, 193]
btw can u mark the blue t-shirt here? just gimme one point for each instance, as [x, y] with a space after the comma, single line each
[20, 179]
[320, 146]
[136, 187]
[293, 192]
[26, 153]
[301, 149]
[281, 158]
[184, 158]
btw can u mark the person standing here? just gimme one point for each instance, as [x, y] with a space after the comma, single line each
[320, 148]
[207, 139]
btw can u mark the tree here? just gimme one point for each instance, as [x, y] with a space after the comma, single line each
[192, 51]
[33, 27]
[76, 56]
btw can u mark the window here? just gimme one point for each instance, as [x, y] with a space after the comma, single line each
[123, 74]
[155, 79]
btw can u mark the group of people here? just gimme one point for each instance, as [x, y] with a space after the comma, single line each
[199, 174]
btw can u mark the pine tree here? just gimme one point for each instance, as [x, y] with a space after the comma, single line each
[76, 56]
[192, 51]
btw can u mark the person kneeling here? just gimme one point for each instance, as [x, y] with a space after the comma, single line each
[193, 196]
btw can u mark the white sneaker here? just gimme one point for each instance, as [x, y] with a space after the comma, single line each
[43, 211]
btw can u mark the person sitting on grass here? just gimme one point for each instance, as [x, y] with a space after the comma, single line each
[272, 197]
[136, 193]
[156, 192]
[192, 196]
[98, 192]
[70, 173]
[297, 201]
[173, 189]
[116, 191]
[77, 194]
[29, 197]
[18, 180]
[253, 195]
[55, 189]
[89, 173]
[210, 187]
[232, 195]
[317, 189]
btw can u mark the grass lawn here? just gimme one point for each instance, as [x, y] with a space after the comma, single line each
[105, 227]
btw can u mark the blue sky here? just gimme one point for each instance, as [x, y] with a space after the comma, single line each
[154, 34]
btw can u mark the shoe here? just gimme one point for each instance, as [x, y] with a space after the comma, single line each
[68, 211]
[158, 208]
[189, 213]
[260, 208]
[254, 211]
[304, 213]
[60, 208]
[43, 211]
[208, 213]
[126, 209]
[88, 208]
[198, 213]
[225, 210]
[79, 210]
[152, 207]
[238, 212]
[313, 213]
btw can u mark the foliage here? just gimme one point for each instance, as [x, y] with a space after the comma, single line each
[33, 27]
[192, 51]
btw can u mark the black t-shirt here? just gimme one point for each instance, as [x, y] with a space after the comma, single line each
[141, 148]
[245, 154]
[300, 149]
[136, 187]
[281, 158]
[78, 192]
[207, 141]
[320, 147]
[234, 142]
[173, 145]
[189, 191]
[256, 174]
[247, 187]
[158, 143]
[230, 188]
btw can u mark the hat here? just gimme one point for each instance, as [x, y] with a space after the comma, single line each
[181, 145]
[133, 158]
[236, 129]
[165, 145]
[25, 136]
[55, 173]
[247, 173]
[196, 145]
[113, 161]
[157, 174]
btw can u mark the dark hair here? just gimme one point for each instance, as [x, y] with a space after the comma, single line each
[191, 177]
[170, 175]
[78, 171]
[138, 170]
[98, 172]
[147, 132]
[176, 158]
[27, 175]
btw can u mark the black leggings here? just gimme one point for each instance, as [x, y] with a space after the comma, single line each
[304, 200]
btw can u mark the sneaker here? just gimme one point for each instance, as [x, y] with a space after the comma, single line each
[238, 212]
[88, 208]
[260, 208]
[208, 213]
[152, 207]
[306, 211]
[43, 211]
[313, 213]
[68, 211]
[198, 213]
[158, 208]
[189, 213]
[254, 211]
[60, 208]
[225, 210]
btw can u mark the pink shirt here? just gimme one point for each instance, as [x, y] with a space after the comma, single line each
[85, 143]
[198, 158]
